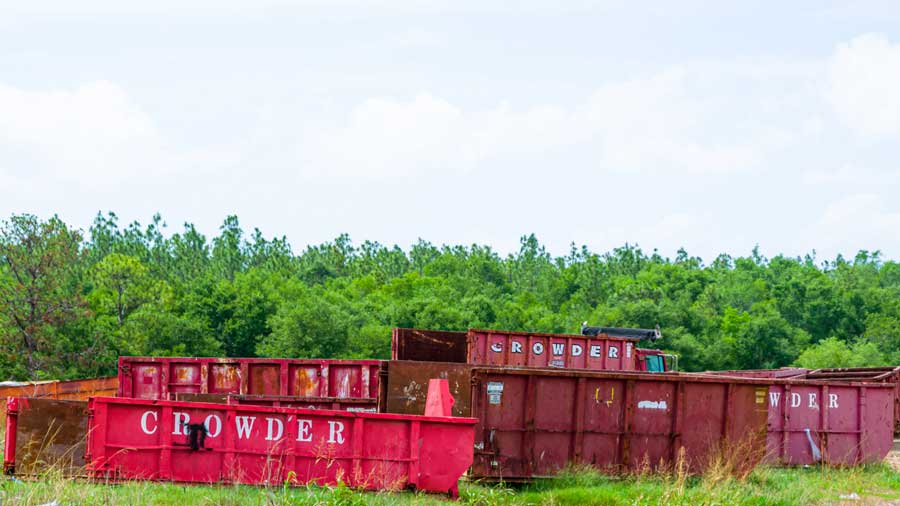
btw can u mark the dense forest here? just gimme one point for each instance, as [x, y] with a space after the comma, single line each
[71, 301]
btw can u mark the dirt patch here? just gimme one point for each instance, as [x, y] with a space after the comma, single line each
[893, 459]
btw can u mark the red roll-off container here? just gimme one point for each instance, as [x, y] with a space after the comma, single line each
[836, 376]
[163, 377]
[334, 403]
[138, 439]
[533, 423]
[518, 349]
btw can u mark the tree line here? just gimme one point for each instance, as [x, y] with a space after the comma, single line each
[72, 301]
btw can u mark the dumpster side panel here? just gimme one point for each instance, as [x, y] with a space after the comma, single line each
[846, 423]
[73, 390]
[428, 345]
[44, 433]
[534, 422]
[405, 386]
[166, 377]
[140, 439]
[529, 349]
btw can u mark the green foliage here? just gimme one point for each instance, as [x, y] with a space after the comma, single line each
[833, 352]
[138, 289]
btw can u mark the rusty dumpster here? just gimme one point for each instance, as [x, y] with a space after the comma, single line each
[366, 405]
[518, 349]
[164, 377]
[44, 433]
[852, 425]
[889, 374]
[535, 422]
[837, 376]
[139, 439]
[73, 390]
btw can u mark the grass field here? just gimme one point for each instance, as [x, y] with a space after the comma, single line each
[878, 484]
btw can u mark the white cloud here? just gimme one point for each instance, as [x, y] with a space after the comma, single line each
[645, 124]
[93, 134]
[854, 222]
[851, 174]
[865, 85]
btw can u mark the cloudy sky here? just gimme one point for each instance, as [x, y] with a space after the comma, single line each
[711, 126]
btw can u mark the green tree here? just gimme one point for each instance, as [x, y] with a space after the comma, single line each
[39, 293]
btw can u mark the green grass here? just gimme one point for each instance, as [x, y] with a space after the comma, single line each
[765, 486]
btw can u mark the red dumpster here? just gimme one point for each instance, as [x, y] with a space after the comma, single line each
[831, 417]
[364, 405]
[520, 349]
[75, 390]
[131, 439]
[784, 372]
[534, 422]
[163, 377]
[888, 374]
[842, 423]
[44, 433]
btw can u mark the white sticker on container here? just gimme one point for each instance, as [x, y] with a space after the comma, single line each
[661, 405]
[494, 391]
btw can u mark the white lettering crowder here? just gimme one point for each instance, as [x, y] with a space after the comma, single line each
[558, 349]
[797, 400]
[243, 427]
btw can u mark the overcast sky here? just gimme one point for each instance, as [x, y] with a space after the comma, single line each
[711, 126]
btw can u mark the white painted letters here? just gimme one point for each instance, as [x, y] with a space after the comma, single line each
[773, 398]
[613, 352]
[497, 347]
[244, 426]
[274, 422]
[335, 432]
[595, 350]
[208, 425]
[304, 430]
[181, 421]
[812, 401]
[577, 350]
[537, 348]
[558, 348]
[515, 347]
[795, 400]
[832, 400]
[144, 418]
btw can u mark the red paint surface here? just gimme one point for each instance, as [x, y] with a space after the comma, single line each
[162, 377]
[332, 403]
[9, 441]
[849, 423]
[535, 422]
[837, 377]
[519, 349]
[137, 439]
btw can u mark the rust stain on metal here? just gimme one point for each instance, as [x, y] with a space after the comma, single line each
[305, 382]
[405, 390]
[227, 378]
[50, 434]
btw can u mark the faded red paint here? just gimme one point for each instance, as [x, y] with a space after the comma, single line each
[164, 377]
[518, 349]
[846, 423]
[364, 405]
[535, 422]
[837, 377]
[135, 439]
[72, 390]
